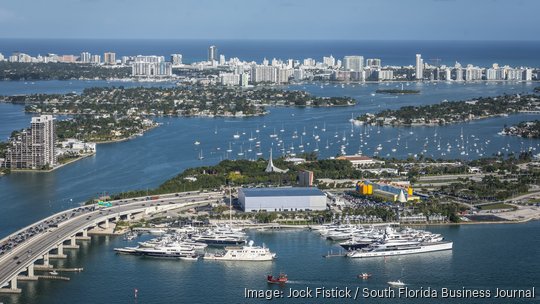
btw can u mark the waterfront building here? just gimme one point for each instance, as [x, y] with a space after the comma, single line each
[261, 73]
[298, 74]
[527, 74]
[514, 74]
[373, 62]
[212, 53]
[329, 61]
[2, 57]
[151, 66]
[96, 59]
[447, 74]
[353, 63]
[109, 58]
[221, 59]
[385, 75]
[85, 57]
[281, 199]
[459, 74]
[284, 74]
[473, 73]
[309, 62]
[33, 148]
[419, 67]
[176, 59]
[341, 75]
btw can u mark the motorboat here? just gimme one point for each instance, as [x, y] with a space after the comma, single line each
[281, 279]
[397, 283]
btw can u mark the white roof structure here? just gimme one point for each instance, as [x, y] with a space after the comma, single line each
[271, 168]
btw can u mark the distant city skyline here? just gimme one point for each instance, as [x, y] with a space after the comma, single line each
[271, 19]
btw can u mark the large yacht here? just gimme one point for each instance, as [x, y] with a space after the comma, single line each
[411, 247]
[244, 253]
[166, 252]
[408, 241]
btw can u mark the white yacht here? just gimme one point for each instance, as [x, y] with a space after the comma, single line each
[399, 248]
[244, 253]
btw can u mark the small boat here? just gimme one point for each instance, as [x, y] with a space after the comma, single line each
[364, 275]
[397, 283]
[196, 143]
[281, 279]
[54, 272]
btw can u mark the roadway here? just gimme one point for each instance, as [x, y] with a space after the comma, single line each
[17, 259]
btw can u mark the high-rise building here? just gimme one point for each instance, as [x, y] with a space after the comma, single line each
[33, 148]
[221, 59]
[85, 57]
[305, 178]
[212, 53]
[264, 74]
[353, 63]
[96, 59]
[109, 58]
[151, 66]
[419, 67]
[373, 62]
[329, 61]
[176, 59]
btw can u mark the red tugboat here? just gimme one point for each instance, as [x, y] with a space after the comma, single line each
[281, 279]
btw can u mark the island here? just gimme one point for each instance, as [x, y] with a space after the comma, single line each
[60, 71]
[178, 101]
[527, 129]
[448, 112]
[397, 91]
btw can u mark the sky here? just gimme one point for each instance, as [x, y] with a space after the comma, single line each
[272, 19]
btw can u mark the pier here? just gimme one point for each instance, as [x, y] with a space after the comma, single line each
[34, 253]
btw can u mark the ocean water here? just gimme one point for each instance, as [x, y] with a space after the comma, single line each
[483, 53]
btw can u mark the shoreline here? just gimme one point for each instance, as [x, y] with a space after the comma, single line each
[55, 168]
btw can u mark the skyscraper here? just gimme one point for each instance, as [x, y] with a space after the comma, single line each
[85, 57]
[33, 148]
[109, 58]
[419, 67]
[353, 63]
[212, 53]
[176, 59]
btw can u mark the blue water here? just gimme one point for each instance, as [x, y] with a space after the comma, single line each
[161, 153]
[484, 257]
[483, 53]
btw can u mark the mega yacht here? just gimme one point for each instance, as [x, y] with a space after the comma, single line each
[244, 253]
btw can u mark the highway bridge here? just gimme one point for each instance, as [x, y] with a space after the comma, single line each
[32, 247]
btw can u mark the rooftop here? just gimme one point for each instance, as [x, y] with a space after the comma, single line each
[282, 191]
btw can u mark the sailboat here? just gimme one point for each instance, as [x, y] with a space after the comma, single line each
[201, 155]
[230, 149]
[324, 127]
[236, 136]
